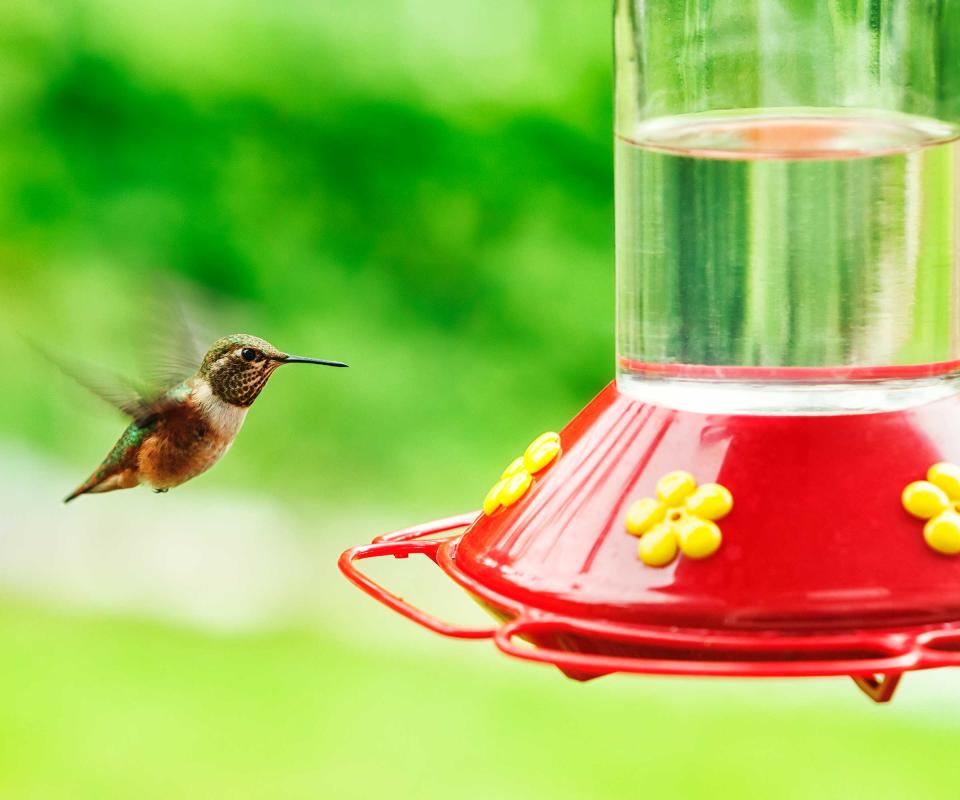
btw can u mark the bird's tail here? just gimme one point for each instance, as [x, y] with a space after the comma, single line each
[99, 482]
[87, 486]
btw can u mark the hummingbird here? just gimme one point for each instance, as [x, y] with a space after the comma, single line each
[187, 428]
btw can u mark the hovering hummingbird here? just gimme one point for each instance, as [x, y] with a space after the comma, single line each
[187, 428]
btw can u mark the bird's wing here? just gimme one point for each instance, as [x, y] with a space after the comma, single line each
[114, 389]
[172, 354]
[174, 336]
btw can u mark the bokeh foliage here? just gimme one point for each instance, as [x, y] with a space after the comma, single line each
[420, 188]
[131, 710]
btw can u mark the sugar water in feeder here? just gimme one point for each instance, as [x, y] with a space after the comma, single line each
[787, 205]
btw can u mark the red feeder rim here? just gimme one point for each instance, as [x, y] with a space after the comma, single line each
[821, 571]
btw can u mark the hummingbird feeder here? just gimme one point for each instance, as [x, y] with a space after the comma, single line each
[771, 485]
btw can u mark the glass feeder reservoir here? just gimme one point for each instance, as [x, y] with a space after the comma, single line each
[788, 218]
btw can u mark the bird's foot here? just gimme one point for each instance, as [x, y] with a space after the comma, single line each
[160, 491]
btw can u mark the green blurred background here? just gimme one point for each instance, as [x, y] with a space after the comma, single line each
[423, 189]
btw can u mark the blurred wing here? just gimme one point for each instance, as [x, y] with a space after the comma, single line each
[175, 339]
[111, 388]
[172, 353]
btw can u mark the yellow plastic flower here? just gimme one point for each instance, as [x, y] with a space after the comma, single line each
[517, 478]
[937, 500]
[681, 517]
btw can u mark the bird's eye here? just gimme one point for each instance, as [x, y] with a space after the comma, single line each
[248, 354]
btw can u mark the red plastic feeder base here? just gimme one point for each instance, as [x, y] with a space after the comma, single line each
[820, 571]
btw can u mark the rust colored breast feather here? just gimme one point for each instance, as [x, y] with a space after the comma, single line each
[185, 443]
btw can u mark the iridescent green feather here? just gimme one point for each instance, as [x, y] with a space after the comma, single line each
[135, 433]
[132, 438]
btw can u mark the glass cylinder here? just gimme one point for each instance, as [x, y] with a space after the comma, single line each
[788, 203]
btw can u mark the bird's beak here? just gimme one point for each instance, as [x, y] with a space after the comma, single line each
[302, 360]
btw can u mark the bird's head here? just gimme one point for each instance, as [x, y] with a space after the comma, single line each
[237, 367]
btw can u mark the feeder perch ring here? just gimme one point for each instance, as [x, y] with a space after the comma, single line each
[875, 659]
